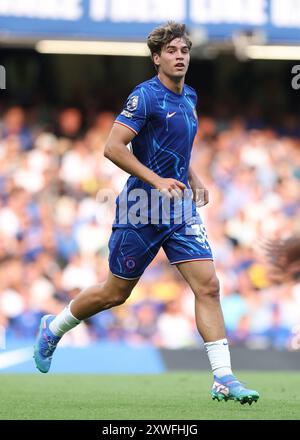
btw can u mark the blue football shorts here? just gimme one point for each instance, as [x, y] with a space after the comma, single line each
[131, 249]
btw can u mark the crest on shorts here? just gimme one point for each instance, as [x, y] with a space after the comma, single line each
[132, 103]
[130, 263]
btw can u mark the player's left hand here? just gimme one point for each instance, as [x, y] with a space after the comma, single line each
[200, 196]
[200, 193]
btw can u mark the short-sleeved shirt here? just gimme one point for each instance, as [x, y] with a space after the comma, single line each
[165, 124]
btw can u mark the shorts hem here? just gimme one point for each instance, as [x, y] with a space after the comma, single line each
[124, 278]
[193, 259]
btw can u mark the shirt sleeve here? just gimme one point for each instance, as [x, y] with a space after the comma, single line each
[134, 114]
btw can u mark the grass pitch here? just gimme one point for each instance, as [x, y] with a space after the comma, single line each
[169, 396]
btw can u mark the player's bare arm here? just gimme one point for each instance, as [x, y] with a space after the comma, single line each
[200, 192]
[118, 153]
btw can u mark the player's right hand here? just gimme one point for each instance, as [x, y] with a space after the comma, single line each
[170, 187]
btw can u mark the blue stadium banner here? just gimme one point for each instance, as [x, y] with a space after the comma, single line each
[132, 19]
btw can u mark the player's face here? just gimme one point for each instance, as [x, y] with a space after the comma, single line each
[174, 58]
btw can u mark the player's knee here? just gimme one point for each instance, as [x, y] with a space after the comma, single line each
[119, 295]
[119, 298]
[110, 295]
[209, 289]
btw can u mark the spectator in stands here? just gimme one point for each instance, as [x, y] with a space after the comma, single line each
[50, 241]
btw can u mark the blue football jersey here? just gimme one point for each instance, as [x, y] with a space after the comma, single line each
[165, 124]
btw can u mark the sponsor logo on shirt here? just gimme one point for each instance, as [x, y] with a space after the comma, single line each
[127, 114]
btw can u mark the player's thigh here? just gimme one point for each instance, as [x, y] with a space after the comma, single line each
[200, 275]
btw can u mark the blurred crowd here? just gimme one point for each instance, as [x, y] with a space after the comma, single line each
[54, 231]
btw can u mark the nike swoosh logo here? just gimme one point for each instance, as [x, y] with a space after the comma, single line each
[15, 357]
[169, 115]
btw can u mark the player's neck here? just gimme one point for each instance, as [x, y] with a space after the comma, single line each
[175, 85]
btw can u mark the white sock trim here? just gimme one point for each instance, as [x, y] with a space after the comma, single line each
[71, 314]
[218, 342]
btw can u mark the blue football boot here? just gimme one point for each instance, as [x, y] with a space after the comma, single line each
[45, 345]
[229, 388]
